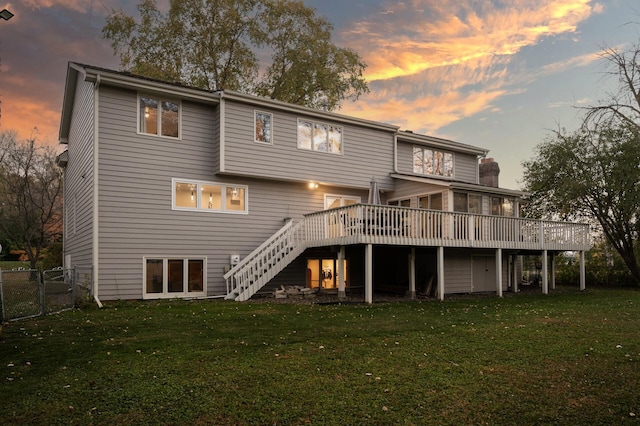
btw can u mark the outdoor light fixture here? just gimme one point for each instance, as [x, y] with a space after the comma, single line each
[6, 15]
[313, 185]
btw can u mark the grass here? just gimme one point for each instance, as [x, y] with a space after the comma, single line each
[566, 358]
[9, 265]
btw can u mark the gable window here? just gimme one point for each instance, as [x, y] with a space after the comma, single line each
[174, 277]
[262, 127]
[321, 137]
[427, 161]
[157, 116]
[209, 196]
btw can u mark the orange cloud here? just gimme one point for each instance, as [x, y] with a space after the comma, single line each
[435, 55]
[409, 41]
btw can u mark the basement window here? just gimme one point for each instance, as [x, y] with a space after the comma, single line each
[167, 277]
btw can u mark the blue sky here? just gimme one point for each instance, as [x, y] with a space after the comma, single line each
[492, 73]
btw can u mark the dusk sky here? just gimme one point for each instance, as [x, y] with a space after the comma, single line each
[491, 73]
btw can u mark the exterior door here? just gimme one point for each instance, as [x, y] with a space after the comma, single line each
[484, 273]
[323, 273]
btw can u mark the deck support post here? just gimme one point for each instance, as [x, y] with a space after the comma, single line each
[440, 272]
[341, 287]
[553, 271]
[582, 272]
[412, 273]
[514, 273]
[368, 274]
[545, 277]
[499, 272]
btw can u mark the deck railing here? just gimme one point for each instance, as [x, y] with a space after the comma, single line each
[366, 223]
[374, 224]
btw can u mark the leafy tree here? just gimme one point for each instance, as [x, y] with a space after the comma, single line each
[30, 195]
[224, 45]
[592, 175]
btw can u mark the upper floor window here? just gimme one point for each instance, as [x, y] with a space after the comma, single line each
[209, 196]
[157, 116]
[427, 161]
[262, 127]
[321, 137]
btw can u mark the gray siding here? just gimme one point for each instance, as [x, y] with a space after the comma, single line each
[412, 190]
[78, 179]
[136, 216]
[366, 152]
[464, 165]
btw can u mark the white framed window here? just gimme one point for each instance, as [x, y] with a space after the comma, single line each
[405, 202]
[335, 201]
[427, 161]
[209, 196]
[431, 201]
[159, 116]
[502, 206]
[263, 128]
[322, 137]
[467, 203]
[174, 276]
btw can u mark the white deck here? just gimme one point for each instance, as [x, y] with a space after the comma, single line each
[391, 225]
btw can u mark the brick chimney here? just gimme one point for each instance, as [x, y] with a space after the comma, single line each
[489, 171]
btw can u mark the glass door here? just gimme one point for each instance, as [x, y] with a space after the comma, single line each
[323, 273]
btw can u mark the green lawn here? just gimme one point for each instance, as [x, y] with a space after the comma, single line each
[567, 358]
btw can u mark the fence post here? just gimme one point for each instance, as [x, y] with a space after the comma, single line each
[41, 288]
[1, 299]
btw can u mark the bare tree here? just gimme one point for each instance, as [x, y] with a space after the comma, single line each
[623, 104]
[30, 195]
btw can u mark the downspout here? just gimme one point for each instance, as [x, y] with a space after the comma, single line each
[95, 192]
[222, 129]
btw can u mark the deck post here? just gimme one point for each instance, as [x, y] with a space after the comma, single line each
[553, 271]
[368, 274]
[582, 272]
[545, 278]
[440, 272]
[341, 288]
[412, 273]
[516, 260]
[499, 272]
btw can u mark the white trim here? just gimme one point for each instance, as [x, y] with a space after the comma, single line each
[342, 197]
[159, 99]
[313, 125]
[165, 270]
[434, 150]
[255, 136]
[199, 184]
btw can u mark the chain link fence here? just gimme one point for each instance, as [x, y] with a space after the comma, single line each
[28, 293]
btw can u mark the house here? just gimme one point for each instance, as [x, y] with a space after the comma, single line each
[176, 192]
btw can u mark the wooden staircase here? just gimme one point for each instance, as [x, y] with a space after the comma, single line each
[254, 271]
